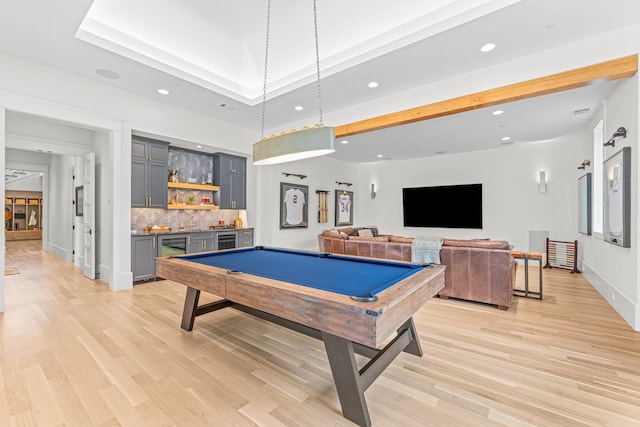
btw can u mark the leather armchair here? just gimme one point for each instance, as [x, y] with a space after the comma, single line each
[479, 270]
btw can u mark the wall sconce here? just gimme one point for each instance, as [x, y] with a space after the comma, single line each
[373, 191]
[621, 132]
[584, 164]
[542, 176]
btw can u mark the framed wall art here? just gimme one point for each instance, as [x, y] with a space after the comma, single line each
[584, 204]
[617, 199]
[344, 207]
[294, 212]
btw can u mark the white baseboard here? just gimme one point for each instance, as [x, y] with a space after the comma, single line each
[104, 273]
[121, 282]
[60, 252]
[626, 308]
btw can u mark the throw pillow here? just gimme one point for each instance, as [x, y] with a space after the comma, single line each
[349, 231]
[365, 232]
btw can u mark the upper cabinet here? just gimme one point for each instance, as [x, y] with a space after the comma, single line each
[191, 180]
[230, 175]
[149, 169]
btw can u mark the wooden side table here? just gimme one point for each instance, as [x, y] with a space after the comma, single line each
[528, 256]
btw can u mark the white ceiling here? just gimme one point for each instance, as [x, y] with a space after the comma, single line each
[221, 45]
[209, 54]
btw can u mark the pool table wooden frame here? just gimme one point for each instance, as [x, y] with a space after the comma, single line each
[320, 314]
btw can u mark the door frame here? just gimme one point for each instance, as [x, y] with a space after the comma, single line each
[120, 276]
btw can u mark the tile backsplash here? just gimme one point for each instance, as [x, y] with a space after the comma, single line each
[188, 218]
[191, 167]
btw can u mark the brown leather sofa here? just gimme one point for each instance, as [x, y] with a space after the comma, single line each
[346, 241]
[477, 270]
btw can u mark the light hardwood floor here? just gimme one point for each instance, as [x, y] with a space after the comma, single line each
[73, 353]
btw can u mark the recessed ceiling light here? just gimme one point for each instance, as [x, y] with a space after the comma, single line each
[373, 84]
[488, 47]
[344, 141]
[506, 142]
[299, 108]
[439, 152]
[497, 112]
[107, 74]
[222, 105]
[198, 146]
[163, 92]
[506, 138]
[380, 156]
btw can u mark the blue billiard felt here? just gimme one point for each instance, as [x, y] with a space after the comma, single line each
[333, 273]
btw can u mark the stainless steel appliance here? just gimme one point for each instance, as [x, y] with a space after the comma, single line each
[175, 244]
[226, 240]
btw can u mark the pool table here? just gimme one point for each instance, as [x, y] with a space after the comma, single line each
[353, 304]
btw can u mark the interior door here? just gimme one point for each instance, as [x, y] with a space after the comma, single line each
[88, 217]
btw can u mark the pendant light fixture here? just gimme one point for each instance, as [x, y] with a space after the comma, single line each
[298, 144]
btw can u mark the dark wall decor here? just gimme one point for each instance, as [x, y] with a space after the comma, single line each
[344, 207]
[584, 204]
[617, 198]
[294, 212]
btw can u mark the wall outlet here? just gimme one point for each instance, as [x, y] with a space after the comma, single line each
[613, 297]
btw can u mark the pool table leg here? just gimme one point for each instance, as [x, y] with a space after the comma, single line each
[347, 379]
[351, 382]
[414, 346]
[190, 308]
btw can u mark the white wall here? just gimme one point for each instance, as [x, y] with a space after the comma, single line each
[26, 157]
[512, 203]
[611, 269]
[31, 183]
[321, 174]
[60, 197]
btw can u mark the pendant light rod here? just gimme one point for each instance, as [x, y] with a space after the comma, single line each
[266, 63]
[315, 29]
[296, 145]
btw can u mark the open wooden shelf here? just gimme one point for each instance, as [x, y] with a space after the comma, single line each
[193, 186]
[186, 206]
[20, 208]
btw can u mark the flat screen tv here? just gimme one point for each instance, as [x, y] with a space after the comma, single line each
[446, 206]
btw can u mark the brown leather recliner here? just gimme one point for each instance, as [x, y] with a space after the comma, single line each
[478, 270]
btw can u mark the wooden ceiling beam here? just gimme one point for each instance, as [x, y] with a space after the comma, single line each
[610, 70]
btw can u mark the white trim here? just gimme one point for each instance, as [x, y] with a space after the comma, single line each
[120, 276]
[2, 190]
[32, 143]
[627, 309]
[58, 111]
